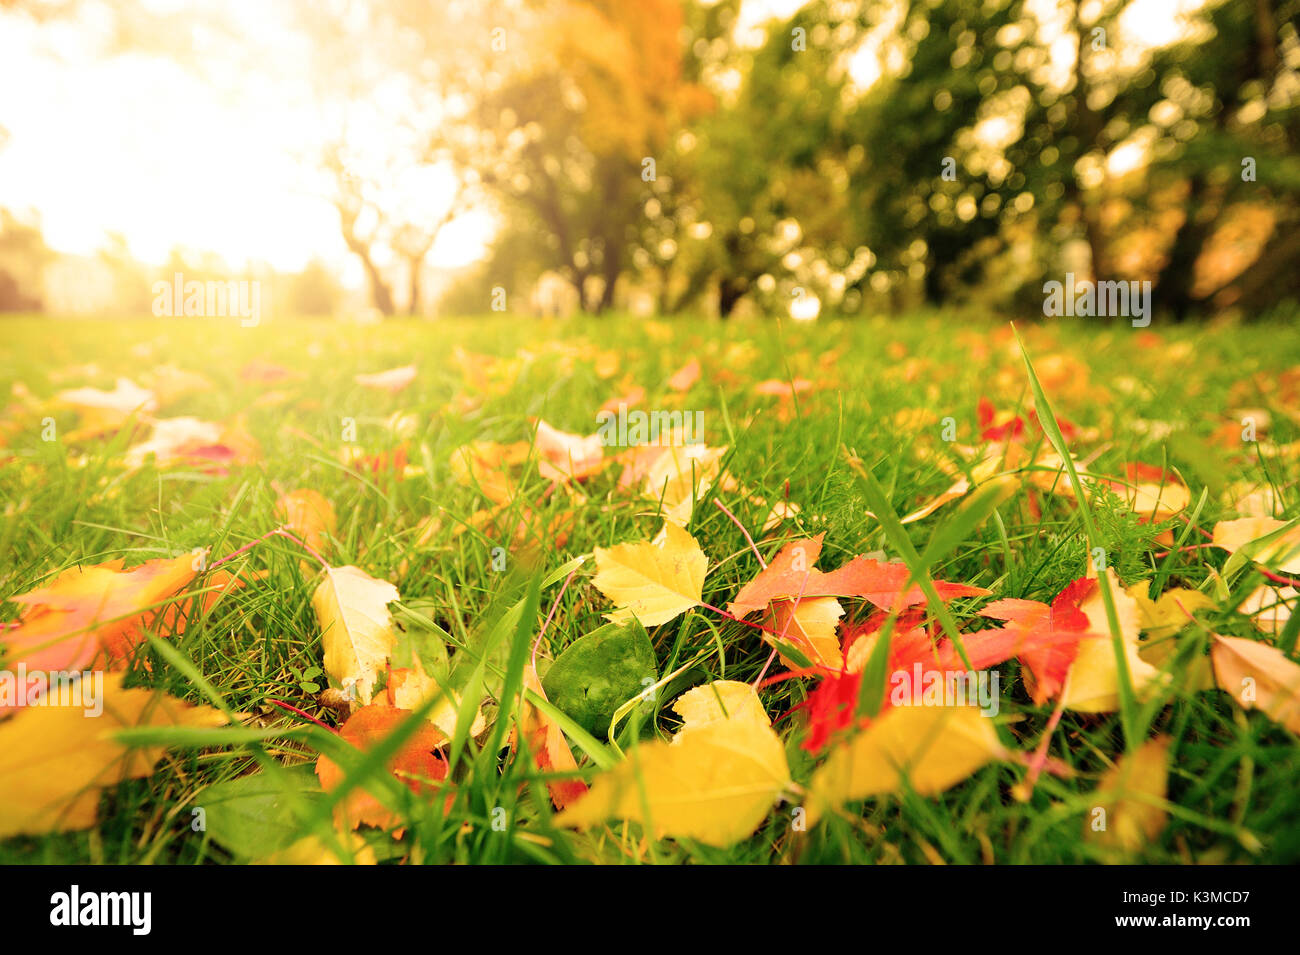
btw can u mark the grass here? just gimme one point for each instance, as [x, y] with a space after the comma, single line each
[880, 394]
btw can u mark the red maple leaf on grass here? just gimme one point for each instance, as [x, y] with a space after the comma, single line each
[791, 575]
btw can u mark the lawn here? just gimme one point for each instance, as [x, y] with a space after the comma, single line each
[830, 428]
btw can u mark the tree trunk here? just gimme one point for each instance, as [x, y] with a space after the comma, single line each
[730, 291]
[413, 301]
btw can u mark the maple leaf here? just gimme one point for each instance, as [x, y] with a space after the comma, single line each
[309, 514]
[416, 764]
[55, 761]
[547, 747]
[1129, 795]
[715, 781]
[1258, 677]
[1073, 638]
[356, 628]
[392, 380]
[935, 747]
[654, 580]
[87, 614]
[791, 574]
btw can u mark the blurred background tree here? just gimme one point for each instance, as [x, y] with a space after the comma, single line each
[684, 156]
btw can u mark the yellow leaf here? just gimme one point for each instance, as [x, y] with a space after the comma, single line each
[309, 514]
[313, 850]
[408, 689]
[1161, 620]
[719, 700]
[715, 782]
[935, 747]
[1269, 607]
[1129, 816]
[1258, 677]
[652, 580]
[810, 627]
[356, 627]
[55, 759]
[1094, 675]
[1282, 553]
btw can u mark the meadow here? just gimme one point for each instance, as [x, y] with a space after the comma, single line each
[460, 469]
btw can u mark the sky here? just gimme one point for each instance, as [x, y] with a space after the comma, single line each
[213, 160]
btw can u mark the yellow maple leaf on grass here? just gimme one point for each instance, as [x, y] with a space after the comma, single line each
[655, 580]
[55, 759]
[356, 627]
[935, 747]
[716, 781]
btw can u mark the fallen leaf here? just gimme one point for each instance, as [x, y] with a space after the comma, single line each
[791, 574]
[599, 672]
[934, 747]
[1258, 677]
[686, 376]
[1280, 552]
[416, 764]
[547, 747]
[1124, 814]
[309, 515]
[356, 628]
[392, 380]
[810, 626]
[565, 456]
[655, 580]
[716, 781]
[56, 759]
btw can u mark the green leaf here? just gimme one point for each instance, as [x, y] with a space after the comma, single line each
[254, 816]
[600, 672]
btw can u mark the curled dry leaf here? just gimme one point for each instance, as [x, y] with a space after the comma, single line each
[565, 456]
